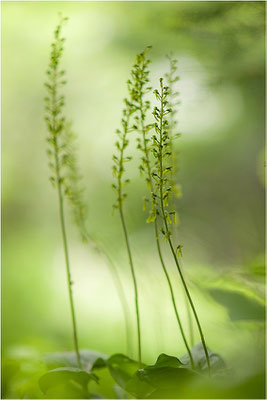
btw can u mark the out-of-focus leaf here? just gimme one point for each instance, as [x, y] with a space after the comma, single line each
[96, 396]
[68, 359]
[10, 368]
[164, 361]
[216, 362]
[99, 363]
[122, 368]
[120, 392]
[63, 376]
[138, 387]
[154, 380]
[239, 306]
[66, 391]
[105, 386]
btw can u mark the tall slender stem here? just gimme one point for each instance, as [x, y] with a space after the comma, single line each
[171, 79]
[135, 285]
[65, 244]
[142, 117]
[172, 296]
[121, 197]
[56, 124]
[190, 300]
[170, 241]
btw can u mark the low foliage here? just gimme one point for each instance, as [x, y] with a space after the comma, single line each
[85, 374]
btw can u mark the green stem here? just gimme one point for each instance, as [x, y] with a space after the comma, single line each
[173, 158]
[120, 200]
[188, 310]
[54, 131]
[172, 297]
[172, 249]
[65, 245]
[135, 284]
[190, 322]
[157, 239]
[189, 298]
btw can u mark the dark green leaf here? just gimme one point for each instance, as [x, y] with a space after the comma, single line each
[122, 368]
[62, 376]
[239, 306]
[166, 374]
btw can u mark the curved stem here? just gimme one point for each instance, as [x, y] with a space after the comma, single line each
[172, 249]
[190, 301]
[157, 238]
[190, 322]
[173, 298]
[65, 245]
[120, 201]
[134, 282]
[188, 309]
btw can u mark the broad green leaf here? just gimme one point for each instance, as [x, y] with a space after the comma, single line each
[96, 396]
[105, 386]
[67, 391]
[138, 387]
[99, 363]
[122, 368]
[163, 361]
[62, 376]
[68, 359]
[239, 306]
[120, 392]
[153, 381]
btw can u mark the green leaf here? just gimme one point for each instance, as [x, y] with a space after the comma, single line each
[122, 368]
[239, 306]
[154, 380]
[68, 359]
[63, 376]
[216, 362]
[164, 361]
[138, 387]
[99, 363]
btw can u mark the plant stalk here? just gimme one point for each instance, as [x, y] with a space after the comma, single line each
[120, 201]
[65, 245]
[135, 285]
[173, 252]
[157, 240]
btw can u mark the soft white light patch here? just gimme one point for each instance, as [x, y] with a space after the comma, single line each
[204, 109]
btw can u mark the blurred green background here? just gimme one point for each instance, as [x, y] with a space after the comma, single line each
[220, 48]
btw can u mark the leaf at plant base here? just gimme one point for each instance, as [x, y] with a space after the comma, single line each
[166, 374]
[61, 376]
[99, 363]
[122, 368]
[138, 387]
[120, 393]
[105, 386]
[69, 359]
[239, 306]
[66, 391]
[96, 396]
[216, 362]
[165, 361]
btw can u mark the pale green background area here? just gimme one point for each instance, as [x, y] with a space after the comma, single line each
[220, 48]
